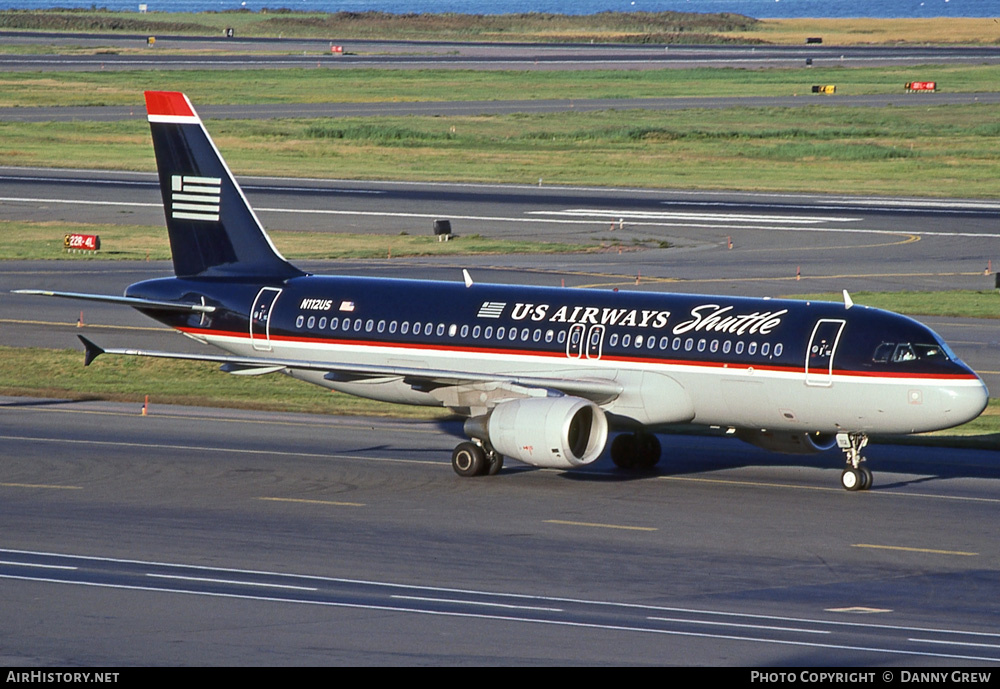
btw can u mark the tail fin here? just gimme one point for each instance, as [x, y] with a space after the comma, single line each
[213, 230]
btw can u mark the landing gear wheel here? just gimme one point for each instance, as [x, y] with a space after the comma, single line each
[495, 461]
[636, 451]
[852, 479]
[624, 451]
[866, 477]
[649, 450]
[857, 476]
[469, 459]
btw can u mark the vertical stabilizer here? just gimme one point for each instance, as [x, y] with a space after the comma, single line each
[213, 230]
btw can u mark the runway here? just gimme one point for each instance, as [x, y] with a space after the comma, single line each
[195, 536]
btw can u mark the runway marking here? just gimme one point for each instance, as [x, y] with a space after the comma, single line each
[769, 628]
[39, 485]
[605, 215]
[13, 563]
[601, 526]
[952, 643]
[915, 550]
[429, 599]
[871, 494]
[238, 582]
[629, 280]
[224, 450]
[316, 502]
[841, 247]
[361, 426]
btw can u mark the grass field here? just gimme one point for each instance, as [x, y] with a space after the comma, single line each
[44, 241]
[939, 151]
[319, 85]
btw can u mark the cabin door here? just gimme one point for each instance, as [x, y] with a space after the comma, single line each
[260, 318]
[821, 350]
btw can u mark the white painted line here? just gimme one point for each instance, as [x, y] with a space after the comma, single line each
[428, 599]
[237, 582]
[35, 564]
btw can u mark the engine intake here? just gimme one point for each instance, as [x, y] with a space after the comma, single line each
[552, 432]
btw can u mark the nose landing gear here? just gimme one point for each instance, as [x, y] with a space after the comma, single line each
[855, 476]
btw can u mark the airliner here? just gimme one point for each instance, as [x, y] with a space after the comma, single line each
[542, 375]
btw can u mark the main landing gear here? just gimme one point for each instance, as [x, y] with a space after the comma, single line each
[472, 459]
[856, 476]
[635, 451]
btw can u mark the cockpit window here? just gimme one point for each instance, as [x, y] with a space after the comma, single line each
[883, 352]
[906, 351]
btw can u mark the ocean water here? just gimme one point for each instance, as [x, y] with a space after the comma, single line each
[760, 9]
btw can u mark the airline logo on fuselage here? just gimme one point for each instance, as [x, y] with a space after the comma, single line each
[195, 198]
[704, 318]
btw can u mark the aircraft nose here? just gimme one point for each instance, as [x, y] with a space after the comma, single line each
[963, 403]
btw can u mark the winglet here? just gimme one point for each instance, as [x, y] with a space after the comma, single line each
[92, 350]
[467, 277]
[848, 302]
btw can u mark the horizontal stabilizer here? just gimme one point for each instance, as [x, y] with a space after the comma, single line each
[127, 301]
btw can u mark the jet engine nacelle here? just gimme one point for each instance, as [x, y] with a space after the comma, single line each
[789, 442]
[552, 432]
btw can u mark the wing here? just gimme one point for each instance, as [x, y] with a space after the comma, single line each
[450, 386]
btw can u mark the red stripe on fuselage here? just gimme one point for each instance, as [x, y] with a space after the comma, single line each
[560, 355]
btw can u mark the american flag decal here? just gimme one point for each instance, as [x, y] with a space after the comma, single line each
[347, 306]
[491, 309]
[195, 198]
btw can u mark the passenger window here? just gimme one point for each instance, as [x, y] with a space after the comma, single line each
[299, 321]
[311, 323]
[322, 323]
[333, 323]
